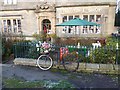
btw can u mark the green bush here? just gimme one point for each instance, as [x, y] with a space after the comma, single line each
[103, 55]
[6, 48]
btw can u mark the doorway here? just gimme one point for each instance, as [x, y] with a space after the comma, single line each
[46, 26]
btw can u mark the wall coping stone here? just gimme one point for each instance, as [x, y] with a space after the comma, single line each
[84, 67]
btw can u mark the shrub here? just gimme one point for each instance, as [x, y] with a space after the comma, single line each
[8, 47]
[103, 55]
[41, 37]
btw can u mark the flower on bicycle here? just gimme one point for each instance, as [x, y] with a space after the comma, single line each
[45, 45]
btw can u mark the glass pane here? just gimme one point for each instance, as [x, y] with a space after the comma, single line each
[4, 22]
[9, 25]
[98, 17]
[76, 16]
[5, 1]
[91, 29]
[97, 29]
[9, 1]
[9, 22]
[14, 1]
[4, 26]
[85, 17]
[14, 22]
[15, 29]
[14, 25]
[64, 18]
[64, 29]
[19, 25]
[70, 17]
[85, 30]
[91, 19]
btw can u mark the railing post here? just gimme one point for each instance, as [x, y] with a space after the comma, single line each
[117, 53]
[15, 51]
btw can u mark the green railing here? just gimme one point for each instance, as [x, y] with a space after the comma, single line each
[86, 53]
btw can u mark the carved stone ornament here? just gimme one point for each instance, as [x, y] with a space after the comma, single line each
[44, 6]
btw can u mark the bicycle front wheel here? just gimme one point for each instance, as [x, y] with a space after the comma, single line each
[70, 62]
[44, 62]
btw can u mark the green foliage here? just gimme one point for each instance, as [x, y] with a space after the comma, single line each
[85, 59]
[103, 55]
[41, 37]
[53, 36]
[6, 48]
[111, 41]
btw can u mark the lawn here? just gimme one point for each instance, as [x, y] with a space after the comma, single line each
[16, 83]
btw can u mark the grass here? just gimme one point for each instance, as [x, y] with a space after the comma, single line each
[62, 71]
[16, 83]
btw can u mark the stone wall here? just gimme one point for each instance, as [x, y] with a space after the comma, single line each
[83, 67]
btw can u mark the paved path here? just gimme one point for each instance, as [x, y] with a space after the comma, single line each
[80, 80]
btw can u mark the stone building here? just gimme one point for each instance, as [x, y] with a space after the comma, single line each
[37, 16]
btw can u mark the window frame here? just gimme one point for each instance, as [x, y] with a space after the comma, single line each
[10, 2]
[91, 29]
[12, 26]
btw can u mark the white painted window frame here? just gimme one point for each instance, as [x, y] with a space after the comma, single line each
[12, 26]
[10, 2]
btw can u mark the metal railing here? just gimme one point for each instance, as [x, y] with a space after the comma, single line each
[87, 54]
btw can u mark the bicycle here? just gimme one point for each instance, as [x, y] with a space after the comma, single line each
[69, 61]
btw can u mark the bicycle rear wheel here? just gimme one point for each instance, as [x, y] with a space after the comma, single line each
[70, 62]
[44, 62]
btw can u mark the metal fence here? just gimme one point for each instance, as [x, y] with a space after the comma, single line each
[88, 54]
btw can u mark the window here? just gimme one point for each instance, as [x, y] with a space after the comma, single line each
[12, 25]
[9, 2]
[91, 29]
[85, 30]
